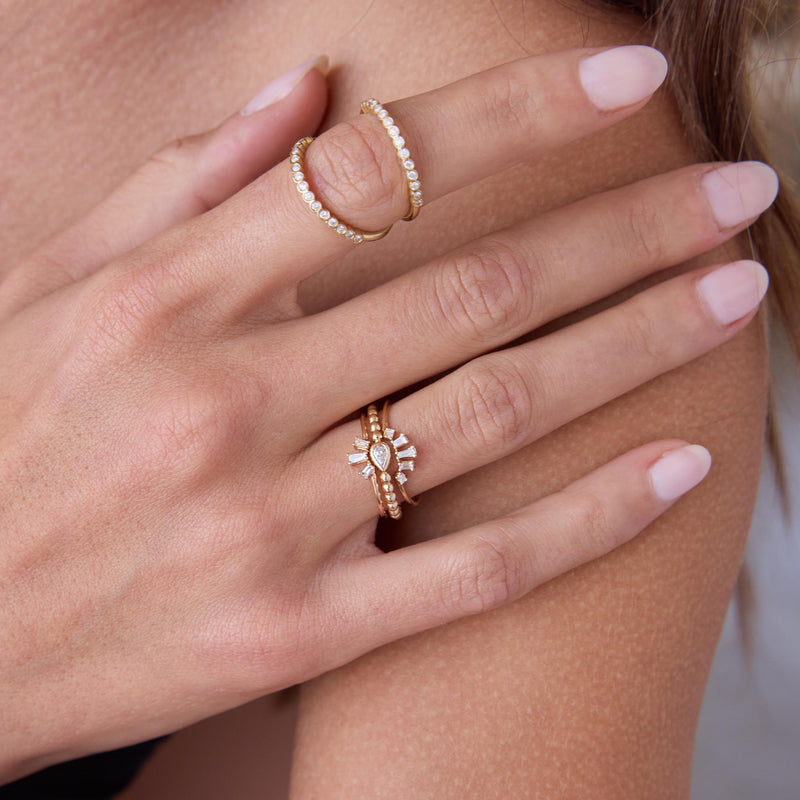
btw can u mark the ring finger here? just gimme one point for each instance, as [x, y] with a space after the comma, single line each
[501, 402]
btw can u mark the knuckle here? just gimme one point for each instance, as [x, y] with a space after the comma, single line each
[643, 336]
[642, 233]
[189, 428]
[486, 574]
[482, 291]
[493, 405]
[120, 314]
[260, 637]
[194, 429]
[353, 170]
[510, 101]
[131, 305]
[589, 521]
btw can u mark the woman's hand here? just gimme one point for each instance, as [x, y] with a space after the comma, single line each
[181, 531]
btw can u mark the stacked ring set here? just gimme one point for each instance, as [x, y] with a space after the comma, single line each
[383, 456]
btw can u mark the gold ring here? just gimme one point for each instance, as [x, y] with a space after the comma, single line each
[297, 163]
[387, 456]
[408, 165]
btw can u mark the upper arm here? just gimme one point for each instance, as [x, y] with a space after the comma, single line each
[590, 685]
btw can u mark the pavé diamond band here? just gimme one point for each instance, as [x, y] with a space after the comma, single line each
[406, 162]
[384, 456]
[298, 167]
[297, 163]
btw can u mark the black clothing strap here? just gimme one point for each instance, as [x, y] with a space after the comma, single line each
[95, 777]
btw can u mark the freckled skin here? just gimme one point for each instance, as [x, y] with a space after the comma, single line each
[591, 685]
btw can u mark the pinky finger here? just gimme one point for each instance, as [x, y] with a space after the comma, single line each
[388, 596]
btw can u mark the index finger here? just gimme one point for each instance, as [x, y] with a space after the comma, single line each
[266, 237]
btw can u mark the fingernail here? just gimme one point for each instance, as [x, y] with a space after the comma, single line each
[740, 192]
[733, 291]
[283, 86]
[678, 471]
[622, 76]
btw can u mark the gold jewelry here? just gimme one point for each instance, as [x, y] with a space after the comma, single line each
[409, 167]
[297, 165]
[388, 456]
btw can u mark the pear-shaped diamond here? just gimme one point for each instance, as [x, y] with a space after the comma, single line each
[379, 455]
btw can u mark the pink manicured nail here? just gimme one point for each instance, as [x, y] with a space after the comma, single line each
[622, 76]
[740, 192]
[678, 471]
[733, 291]
[283, 86]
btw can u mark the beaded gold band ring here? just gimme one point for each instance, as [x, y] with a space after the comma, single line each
[409, 167]
[386, 456]
[297, 164]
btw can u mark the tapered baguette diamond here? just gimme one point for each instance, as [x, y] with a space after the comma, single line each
[357, 458]
[400, 441]
[361, 444]
[410, 452]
